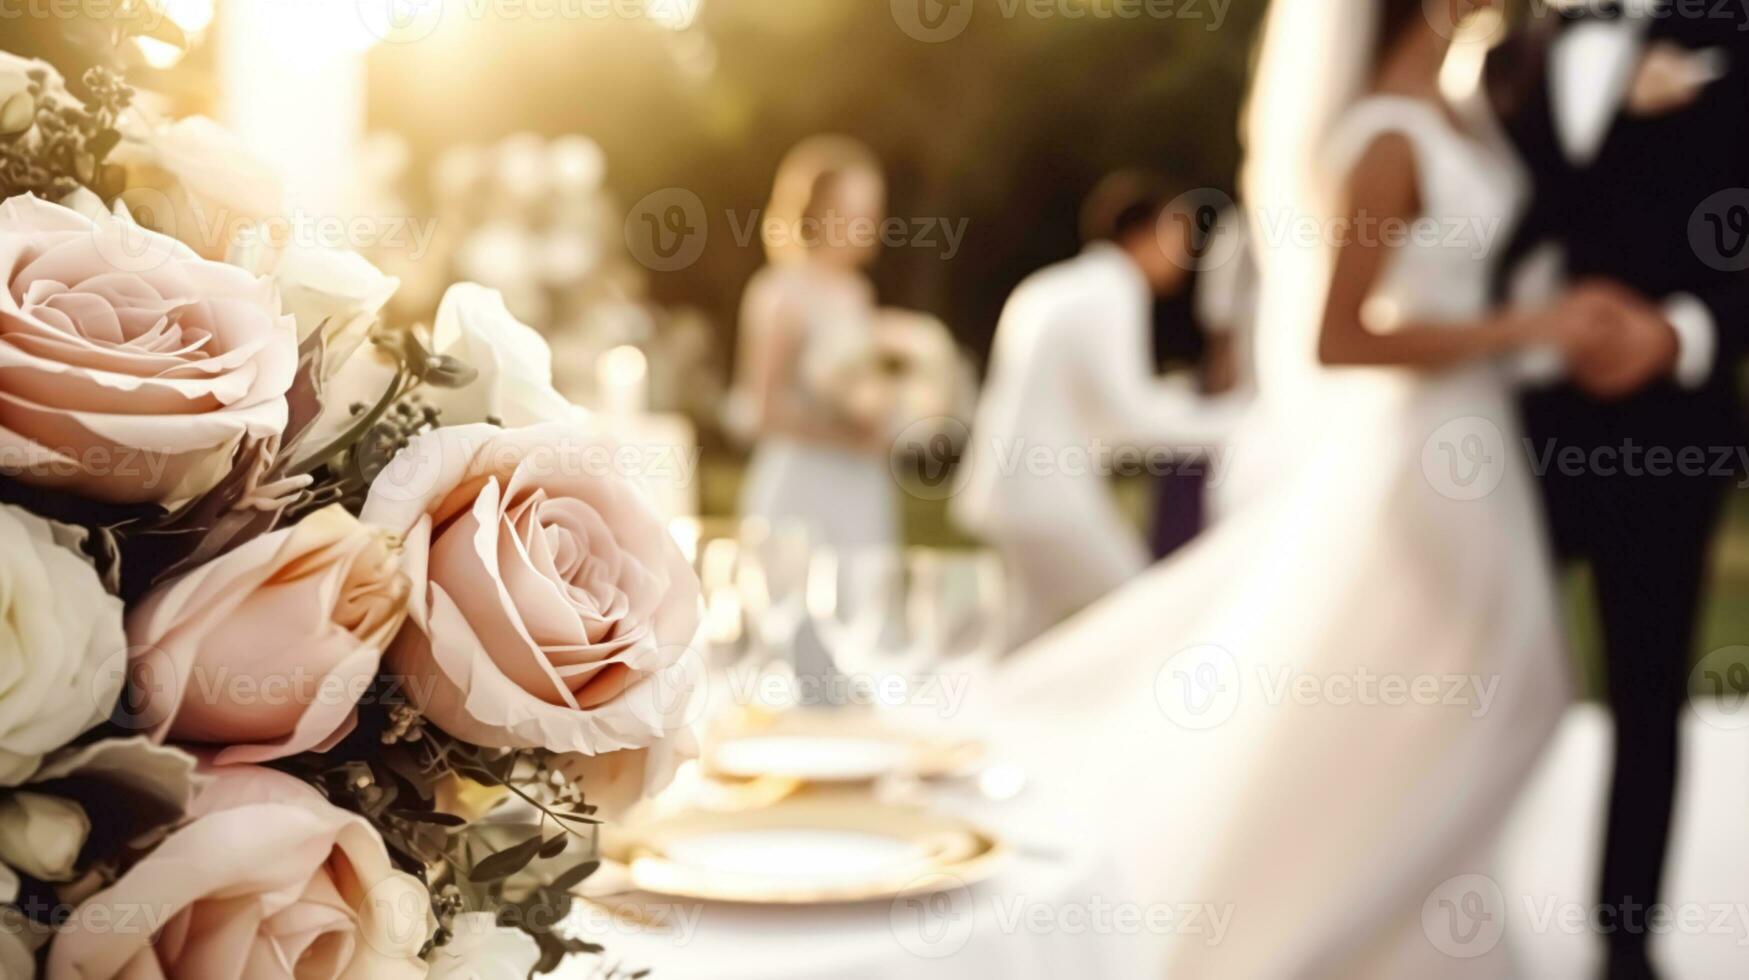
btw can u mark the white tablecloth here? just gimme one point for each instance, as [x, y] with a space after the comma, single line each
[1053, 911]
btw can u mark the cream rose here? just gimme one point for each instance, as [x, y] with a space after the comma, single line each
[267, 649]
[268, 881]
[514, 385]
[553, 608]
[62, 644]
[130, 368]
[193, 179]
[330, 289]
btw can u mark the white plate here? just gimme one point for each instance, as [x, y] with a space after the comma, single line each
[809, 849]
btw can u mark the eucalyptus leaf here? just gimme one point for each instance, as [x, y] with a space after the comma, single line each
[506, 862]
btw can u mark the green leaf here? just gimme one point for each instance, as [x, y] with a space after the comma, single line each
[430, 816]
[573, 876]
[554, 846]
[506, 862]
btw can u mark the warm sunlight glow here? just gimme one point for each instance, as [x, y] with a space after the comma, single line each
[159, 54]
[676, 15]
[193, 16]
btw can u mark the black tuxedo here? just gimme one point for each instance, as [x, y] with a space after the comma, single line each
[1631, 216]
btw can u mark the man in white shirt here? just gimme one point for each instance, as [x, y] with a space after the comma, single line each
[1631, 120]
[1070, 383]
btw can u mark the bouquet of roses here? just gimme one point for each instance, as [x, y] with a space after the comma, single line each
[324, 646]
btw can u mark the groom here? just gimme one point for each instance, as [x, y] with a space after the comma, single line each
[1631, 119]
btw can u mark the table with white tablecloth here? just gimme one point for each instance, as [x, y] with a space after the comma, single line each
[1053, 909]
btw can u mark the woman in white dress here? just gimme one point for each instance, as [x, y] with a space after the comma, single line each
[1326, 707]
[803, 315]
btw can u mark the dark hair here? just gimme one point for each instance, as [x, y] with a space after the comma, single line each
[1124, 203]
[1395, 19]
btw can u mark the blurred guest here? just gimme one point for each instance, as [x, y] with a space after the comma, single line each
[1203, 325]
[1070, 381]
[807, 313]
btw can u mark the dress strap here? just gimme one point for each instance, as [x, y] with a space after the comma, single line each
[1429, 132]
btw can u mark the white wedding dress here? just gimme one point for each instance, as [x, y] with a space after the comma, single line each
[847, 499]
[1318, 716]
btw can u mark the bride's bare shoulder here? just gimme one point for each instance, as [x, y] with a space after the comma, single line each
[1382, 180]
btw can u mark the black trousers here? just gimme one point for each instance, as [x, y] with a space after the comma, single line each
[1649, 557]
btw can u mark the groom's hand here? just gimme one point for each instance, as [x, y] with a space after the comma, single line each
[1620, 342]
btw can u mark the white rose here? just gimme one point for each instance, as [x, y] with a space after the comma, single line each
[483, 950]
[64, 650]
[514, 386]
[41, 835]
[198, 171]
[17, 107]
[333, 289]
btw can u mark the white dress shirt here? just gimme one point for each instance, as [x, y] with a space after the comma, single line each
[1072, 373]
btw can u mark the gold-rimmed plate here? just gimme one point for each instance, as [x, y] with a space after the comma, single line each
[809, 849]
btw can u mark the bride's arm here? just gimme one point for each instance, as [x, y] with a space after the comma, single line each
[1382, 191]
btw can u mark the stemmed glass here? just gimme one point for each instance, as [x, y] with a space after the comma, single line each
[855, 601]
[955, 611]
[771, 577]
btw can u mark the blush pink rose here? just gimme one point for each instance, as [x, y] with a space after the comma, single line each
[267, 881]
[552, 608]
[130, 368]
[267, 649]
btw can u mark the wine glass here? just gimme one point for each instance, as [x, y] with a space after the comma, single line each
[956, 611]
[855, 602]
[772, 579]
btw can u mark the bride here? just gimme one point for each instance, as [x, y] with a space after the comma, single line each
[1326, 707]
